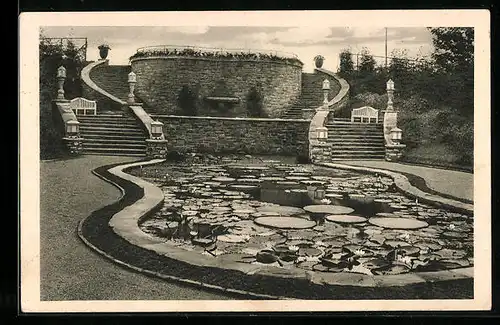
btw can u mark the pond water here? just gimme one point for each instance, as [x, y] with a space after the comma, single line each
[288, 215]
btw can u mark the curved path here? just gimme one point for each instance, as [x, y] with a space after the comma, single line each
[69, 270]
[454, 183]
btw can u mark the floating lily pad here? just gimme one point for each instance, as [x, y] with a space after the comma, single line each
[446, 253]
[285, 222]
[328, 209]
[342, 218]
[432, 245]
[398, 223]
[280, 210]
[376, 263]
[454, 234]
[382, 201]
[309, 251]
[392, 269]
[387, 215]
[232, 238]
[395, 243]
[266, 256]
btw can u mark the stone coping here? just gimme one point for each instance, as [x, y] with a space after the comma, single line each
[220, 118]
[85, 74]
[404, 185]
[174, 57]
[126, 225]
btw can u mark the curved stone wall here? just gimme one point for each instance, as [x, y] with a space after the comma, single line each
[160, 79]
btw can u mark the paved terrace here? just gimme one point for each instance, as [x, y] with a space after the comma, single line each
[72, 271]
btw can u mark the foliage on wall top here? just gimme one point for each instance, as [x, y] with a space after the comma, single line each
[216, 55]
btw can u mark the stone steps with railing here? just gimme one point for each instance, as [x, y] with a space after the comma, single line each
[112, 135]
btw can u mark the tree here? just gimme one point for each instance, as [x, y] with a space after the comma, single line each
[52, 56]
[187, 99]
[454, 48]
[346, 66]
[367, 62]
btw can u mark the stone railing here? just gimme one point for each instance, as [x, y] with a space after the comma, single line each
[318, 133]
[67, 124]
[134, 107]
[98, 91]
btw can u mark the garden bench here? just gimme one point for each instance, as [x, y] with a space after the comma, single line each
[364, 114]
[82, 104]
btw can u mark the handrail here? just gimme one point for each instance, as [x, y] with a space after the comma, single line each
[85, 74]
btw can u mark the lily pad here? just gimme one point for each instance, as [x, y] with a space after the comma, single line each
[342, 218]
[280, 210]
[392, 269]
[328, 209]
[428, 244]
[309, 251]
[398, 223]
[285, 222]
[395, 243]
[266, 256]
[232, 238]
[447, 253]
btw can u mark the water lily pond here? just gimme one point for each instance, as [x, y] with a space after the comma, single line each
[287, 215]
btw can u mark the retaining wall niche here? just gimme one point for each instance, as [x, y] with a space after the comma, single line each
[160, 79]
[221, 135]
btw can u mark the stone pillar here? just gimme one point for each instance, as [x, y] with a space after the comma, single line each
[392, 134]
[74, 145]
[326, 89]
[132, 79]
[156, 149]
[61, 76]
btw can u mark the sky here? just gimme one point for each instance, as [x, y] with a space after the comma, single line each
[305, 42]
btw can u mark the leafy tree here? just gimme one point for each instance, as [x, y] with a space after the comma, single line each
[346, 66]
[367, 62]
[454, 48]
[52, 56]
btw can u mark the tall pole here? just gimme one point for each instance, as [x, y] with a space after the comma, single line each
[386, 47]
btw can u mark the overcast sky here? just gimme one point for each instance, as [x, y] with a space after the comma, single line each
[306, 42]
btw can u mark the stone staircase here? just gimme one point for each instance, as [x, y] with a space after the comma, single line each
[311, 96]
[112, 78]
[350, 140]
[112, 134]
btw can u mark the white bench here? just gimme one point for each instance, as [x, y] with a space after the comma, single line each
[364, 114]
[81, 104]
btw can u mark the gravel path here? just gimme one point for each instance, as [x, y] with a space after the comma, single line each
[69, 270]
[455, 183]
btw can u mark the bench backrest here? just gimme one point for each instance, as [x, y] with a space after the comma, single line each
[365, 112]
[80, 102]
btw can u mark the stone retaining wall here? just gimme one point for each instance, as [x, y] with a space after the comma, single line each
[236, 135]
[160, 79]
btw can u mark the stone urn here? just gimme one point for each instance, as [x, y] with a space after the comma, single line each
[104, 50]
[318, 61]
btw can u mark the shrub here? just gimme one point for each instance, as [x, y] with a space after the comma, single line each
[187, 100]
[255, 107]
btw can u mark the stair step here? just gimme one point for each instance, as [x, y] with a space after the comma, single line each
[114, 141]
[114, 150]
[124, 154]
[111, 125]
[112, 137]
[115, 146]
[111, 128]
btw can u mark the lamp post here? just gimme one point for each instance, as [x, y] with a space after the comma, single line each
[396, 135]
[132, 80]
[156, 130]
[72, 128]
[61, 76]
[390, 95]
[326, 89]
